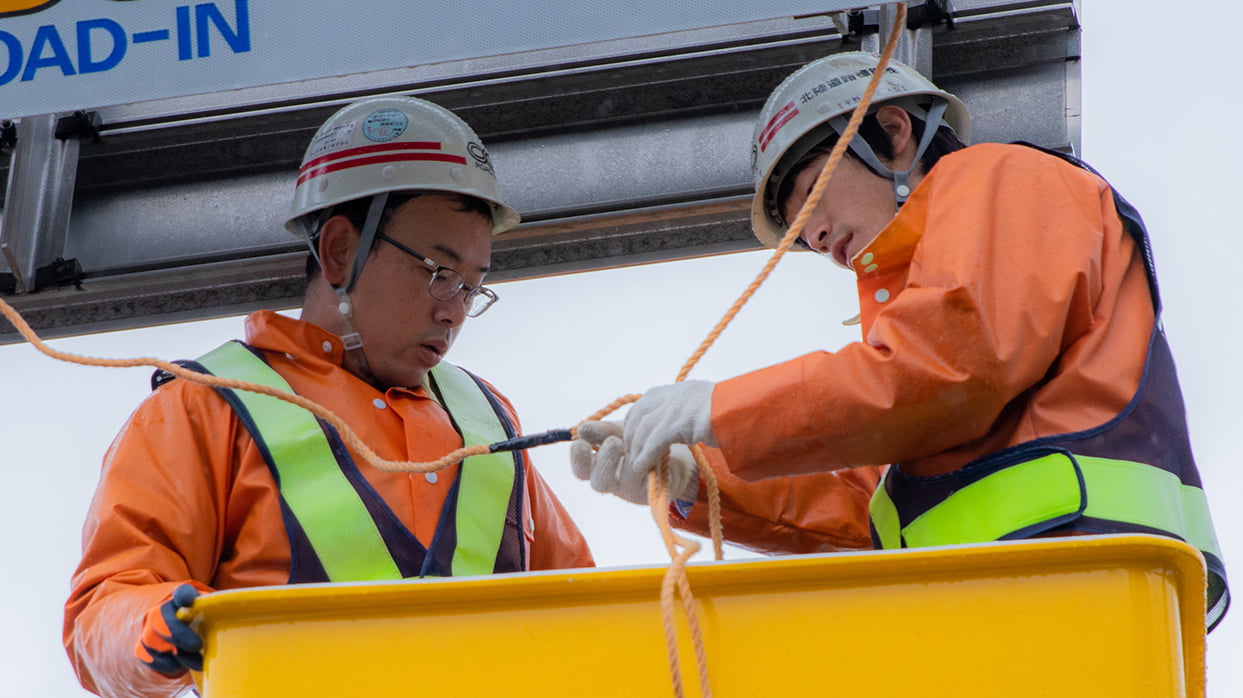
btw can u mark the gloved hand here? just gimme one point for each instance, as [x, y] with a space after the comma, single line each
[680, 413]
[602, 468]
[168, 644]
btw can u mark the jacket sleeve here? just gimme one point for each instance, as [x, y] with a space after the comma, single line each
[152, 525]
[816, 513]
[556, 542]
[1006, 250]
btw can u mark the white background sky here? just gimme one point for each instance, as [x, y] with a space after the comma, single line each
[1160, 120]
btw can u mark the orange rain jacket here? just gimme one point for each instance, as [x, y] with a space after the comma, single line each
[813, 513]
[1004, 302]
[186, 496]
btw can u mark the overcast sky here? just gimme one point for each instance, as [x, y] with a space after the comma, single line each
[1160, 110]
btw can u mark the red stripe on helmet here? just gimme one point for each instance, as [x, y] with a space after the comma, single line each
[375, 160]
[781, 118]
[376, 148]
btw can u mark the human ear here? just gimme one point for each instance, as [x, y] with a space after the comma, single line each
[338, 239]
[896, 123]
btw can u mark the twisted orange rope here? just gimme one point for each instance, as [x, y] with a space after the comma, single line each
[680, 549]
[657, 481]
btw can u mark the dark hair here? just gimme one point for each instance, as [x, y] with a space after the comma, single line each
[944, 142]
[356, 212]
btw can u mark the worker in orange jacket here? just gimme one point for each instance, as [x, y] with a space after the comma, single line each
[208, 489]
[1012, 369]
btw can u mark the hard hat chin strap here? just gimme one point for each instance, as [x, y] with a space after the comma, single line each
[367, 237]
[901, 180]
[350, 338]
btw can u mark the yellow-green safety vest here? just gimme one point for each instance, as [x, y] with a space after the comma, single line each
[342, 519]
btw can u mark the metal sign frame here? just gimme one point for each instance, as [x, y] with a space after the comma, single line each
[616, 152]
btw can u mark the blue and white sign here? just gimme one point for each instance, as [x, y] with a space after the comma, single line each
[58, 56]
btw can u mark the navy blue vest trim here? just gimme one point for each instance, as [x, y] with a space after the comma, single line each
[511, 553]
[510, 557]
[440, 562]
[406, 550]
[304, 564]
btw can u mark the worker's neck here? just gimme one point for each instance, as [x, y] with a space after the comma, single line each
[321, 307]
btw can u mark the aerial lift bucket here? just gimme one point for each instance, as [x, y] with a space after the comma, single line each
[1092, 616]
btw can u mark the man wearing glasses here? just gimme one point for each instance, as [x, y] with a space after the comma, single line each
[209, 489]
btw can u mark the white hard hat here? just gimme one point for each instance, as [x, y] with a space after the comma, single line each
[391, 144]
[814, 103]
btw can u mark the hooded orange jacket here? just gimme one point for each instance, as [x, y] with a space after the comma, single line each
[1004, 302]
[185, 496]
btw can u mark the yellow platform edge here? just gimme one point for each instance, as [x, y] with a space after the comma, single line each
[1118, 615]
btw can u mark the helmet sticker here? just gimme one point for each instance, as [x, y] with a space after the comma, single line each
[480, 155]
[331, 138]
[384, 125]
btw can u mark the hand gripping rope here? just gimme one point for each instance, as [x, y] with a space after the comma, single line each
[680, 549]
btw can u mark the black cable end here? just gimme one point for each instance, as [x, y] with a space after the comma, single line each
[521, 442]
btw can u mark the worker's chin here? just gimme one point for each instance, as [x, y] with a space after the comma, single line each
[404, 375]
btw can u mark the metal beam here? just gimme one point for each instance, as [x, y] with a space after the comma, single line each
[34, 224]
[620, 153]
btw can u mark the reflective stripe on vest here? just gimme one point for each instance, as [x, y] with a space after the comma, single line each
[1058, 488]
[327, 507]
[485, 481]
[1041, 491]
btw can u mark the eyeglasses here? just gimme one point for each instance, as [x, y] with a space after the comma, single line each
[447, 283]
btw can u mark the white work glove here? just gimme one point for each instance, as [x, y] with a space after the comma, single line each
[603, 467]
[680, 413]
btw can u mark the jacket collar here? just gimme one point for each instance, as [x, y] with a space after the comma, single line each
[894, 247]
[271, 331]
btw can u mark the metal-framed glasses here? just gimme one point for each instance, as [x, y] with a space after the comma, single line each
[447, 283]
